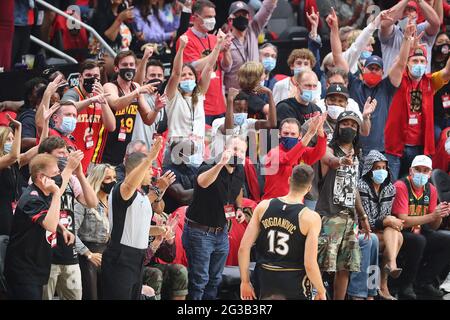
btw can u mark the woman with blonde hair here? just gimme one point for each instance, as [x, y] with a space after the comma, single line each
[92, 228]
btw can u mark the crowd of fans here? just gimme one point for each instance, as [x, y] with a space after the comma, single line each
[138, 183]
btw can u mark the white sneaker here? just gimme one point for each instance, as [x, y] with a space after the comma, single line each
[446, 284]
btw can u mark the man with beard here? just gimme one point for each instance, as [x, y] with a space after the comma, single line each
[126, 98]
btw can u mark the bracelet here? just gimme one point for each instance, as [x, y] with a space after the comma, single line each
[158, 193]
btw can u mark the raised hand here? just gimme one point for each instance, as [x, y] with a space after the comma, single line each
[74, 160]
[313, 19]
[149, 88]
[314, 125]
[369, 107]
[148, 52]
[156, 147]
[48, 112]
[320, 129]
[183, 41]
[332, 20]
[226, 156]
[166, 180]
[14, 123]
[410, 30]
[57, 82]
[160, 101]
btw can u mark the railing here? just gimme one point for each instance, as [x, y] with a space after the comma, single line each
[53, 49]
[84, 25]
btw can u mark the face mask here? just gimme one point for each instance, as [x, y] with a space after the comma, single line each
[443, 48]
[234, 161]
[372, 79]
[288, 142]
[365, 54]
[346, 135]
[418, 70]
[239, 118]
[7, 148]
[240, 23]
[209, 23]
[58, 180]
[447, 146]
[404, 22]
[298, 70]
[195, 160]
[378, 176]
[62, 162]
[88, 84]
[334, 111]
[107, 187]
[68, 124]
[307, 95]
[269, 64]
[420, 179]
[187, 85]
[127, 74]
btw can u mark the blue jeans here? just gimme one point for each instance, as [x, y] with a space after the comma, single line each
[400, 166]
[206, 255]
[359, 281]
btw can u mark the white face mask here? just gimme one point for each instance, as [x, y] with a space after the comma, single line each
[209, 23]
[447, 145]
[334, 111]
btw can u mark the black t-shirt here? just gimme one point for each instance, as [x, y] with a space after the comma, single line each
[27, 118]
[10, 191]
[186, 176]
[290, 108]
[207, 204]
[62, 253]
[29, 253]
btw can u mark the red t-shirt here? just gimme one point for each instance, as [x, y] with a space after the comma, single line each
[414, 134]
[401, 201]
[214, 99]
[88, 120]
[3, 120]
[277, 184]
[68, 140]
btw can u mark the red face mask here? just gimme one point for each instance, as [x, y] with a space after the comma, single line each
[371, 79]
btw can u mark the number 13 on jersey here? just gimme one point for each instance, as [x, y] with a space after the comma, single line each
[278, 242]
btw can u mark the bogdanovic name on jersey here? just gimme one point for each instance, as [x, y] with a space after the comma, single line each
[279, 222]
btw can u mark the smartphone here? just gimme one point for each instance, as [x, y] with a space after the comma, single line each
[160, 85]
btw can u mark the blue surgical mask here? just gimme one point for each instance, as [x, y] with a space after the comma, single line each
[378, 176]
[7, 148]
[418, 70]
[269, 64]
[298, 70]
[239, 118]
[288, 142]
[365, 54]
[420, 179]
[307, 95]
[195, 160]
[68, 124]
[188, 85]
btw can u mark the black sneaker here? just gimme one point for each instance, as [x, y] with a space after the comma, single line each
[407, 293]
[428, 291]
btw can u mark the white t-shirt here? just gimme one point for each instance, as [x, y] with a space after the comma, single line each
[285, 89]
[219, 139]
[351, 106]
[142, 131]
[185, 121]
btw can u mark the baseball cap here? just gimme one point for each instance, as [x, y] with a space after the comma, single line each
[422, 160]
[412, 4]
[238, 6]
[349, 115]
[419, 50]
[373, 59]
[337, 89]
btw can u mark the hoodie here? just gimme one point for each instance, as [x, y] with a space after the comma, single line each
[377, 207]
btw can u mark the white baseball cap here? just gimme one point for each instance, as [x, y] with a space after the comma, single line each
[422, 160]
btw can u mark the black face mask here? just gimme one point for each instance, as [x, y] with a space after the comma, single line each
[88, 84]
[107, 187]
[62, 162]
[127, 74]
[240, 23]
[441, 49]
[58, 180]
[346, 135]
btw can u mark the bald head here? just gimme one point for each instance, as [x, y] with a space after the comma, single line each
[307, 76]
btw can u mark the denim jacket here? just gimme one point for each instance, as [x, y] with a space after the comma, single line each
[91, 225]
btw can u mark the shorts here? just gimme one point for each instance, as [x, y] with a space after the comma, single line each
[283, 284]
[338, 244]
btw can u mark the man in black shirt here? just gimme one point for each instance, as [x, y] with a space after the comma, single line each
[28, 256]
[300, 107]
[217, 198]
[286, 233]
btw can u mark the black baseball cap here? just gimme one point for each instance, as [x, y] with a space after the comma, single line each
[349, 115]
[337, 89]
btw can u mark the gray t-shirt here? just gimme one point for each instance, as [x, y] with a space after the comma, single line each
[390, 45]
